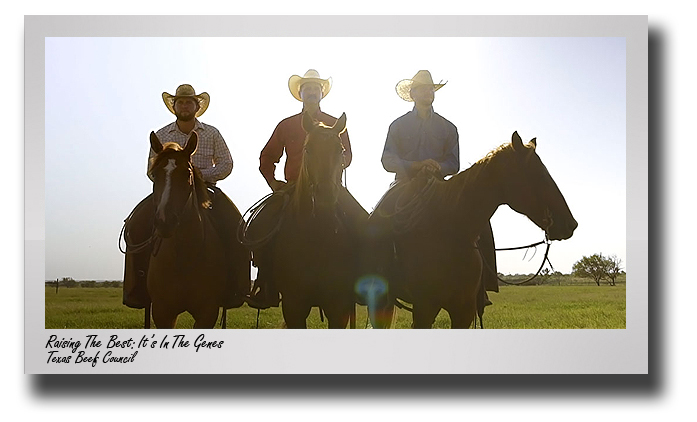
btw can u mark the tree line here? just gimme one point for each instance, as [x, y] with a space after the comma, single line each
[596, 267]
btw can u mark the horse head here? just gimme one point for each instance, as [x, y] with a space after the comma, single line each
[322, 160]
[530, 190]
[173, 181]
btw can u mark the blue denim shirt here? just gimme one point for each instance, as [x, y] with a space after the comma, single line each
[411, 138]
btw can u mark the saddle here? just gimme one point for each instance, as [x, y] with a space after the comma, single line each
[404, 203]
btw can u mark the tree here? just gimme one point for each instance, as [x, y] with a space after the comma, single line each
[614, 268]
[594, 266]
[68, 282]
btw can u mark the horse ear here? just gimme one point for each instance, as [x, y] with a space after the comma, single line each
[340, 125]
[191, 143]
[155, 143]
[516, 142]
[308, 122]
[533, 142]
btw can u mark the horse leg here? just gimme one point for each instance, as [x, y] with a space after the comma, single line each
[338, 321]
[425, 315]
[162, 317]
[462, 316]
[338, 314]
[381, 313]
[463, 306]
[205, 317]
[482, 300]
[295, 312]
[146, 325]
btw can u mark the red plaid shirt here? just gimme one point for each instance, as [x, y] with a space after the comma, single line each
[289, 135]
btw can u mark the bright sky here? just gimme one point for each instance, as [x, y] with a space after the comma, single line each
[103, 98]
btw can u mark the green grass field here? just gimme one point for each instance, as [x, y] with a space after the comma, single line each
[565, 306]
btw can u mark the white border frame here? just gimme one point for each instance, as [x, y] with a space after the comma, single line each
[359, 351]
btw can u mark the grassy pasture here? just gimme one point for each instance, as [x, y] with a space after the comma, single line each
[532, 307]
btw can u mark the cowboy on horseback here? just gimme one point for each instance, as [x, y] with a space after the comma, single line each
[212, 158]
[289, 137]
[422, 140]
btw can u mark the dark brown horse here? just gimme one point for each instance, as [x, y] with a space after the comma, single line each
[187, 270]
[438, 265]
[313, 253]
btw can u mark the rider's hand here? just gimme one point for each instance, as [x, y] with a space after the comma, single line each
[277, 185]
[429, 164]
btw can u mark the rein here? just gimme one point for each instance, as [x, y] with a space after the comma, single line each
[404, 217]
[253, 211]
[545, 259]
[130, 247]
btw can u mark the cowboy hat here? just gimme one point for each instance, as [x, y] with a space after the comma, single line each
[295, 82]
[422, 77]
[187, 91]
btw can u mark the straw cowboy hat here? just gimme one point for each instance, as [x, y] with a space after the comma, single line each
[187, 91]
[295, 82]
[422, 77]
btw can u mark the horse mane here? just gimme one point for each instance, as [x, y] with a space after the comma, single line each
[501, 149]
[449, 192]
[171, 148]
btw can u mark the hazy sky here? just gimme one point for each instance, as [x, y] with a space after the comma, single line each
[103, 98]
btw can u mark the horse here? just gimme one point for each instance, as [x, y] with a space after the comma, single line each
[314, 253]
[187, 270]
[435, 263]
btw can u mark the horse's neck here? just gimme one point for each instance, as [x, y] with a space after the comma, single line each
[476, 192]
[306, 212]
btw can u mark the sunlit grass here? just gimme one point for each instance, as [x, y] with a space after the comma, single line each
[534, 307]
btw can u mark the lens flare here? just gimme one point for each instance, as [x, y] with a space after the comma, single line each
[372, 290]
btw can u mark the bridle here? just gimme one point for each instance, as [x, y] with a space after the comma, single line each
[548, 220]
[154, 238]
[336, 181]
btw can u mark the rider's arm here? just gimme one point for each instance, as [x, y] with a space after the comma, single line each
[450, 162]
[222, 159]
[391, 160]
[270, 156]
